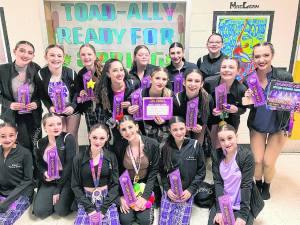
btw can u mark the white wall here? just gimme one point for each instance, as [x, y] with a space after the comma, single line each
[26, 20]
[282, 33]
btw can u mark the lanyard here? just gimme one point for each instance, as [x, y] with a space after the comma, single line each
[135, 166]
[96, 180]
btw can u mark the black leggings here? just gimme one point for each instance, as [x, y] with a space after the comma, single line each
[43, 203]
[145, 217]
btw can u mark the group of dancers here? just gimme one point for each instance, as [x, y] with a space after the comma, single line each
[87, 180]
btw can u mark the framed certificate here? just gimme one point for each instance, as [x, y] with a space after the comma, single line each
[160, 106]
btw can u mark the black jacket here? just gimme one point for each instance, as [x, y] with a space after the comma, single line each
[190, 161]
[151, 150]
[210, 67]
[245, 162]
[131, 86]
[109, 170]
[172, 71]
[282, 116]
[7, 73]
[15, 175]
[234, 97]
[68, 77]
[66, 148]
[148, 71]
[180, 106]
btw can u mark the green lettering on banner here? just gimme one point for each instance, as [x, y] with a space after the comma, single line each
[157, 58]
[81, 12]
[63, 34]
[156, 15]
[133, 11]
[77, 35]
[68, 10]
[94, 13]
[91, 36]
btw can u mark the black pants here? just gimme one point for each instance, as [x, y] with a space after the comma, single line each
[28, 132]
[43, 203]
[145, 217]
[213, 212]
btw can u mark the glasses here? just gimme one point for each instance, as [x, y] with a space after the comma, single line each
[214, 42]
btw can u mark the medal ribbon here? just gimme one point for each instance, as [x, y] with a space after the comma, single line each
[135, 167]
[96, 180]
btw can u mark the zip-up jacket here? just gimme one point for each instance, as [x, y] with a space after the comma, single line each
[151, 150]
[180, 107]
[15, 175]
[190, 161]
[66, 149]
[172, 71]
[282, 116]
[210, 67]
[109, 176]
[7, 73]
[148, 71]
[68, 77]
[245, 162]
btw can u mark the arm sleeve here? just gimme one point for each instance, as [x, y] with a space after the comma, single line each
[247, 170]
[70, 149]
[200, 174]
[40, 164]
[113, 187]
[41, 92]
[77, 187]
[218, 181]
[25, 185]
[75, 95]
[152, 171]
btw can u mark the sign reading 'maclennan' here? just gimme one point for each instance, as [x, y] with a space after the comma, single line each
[243, 5]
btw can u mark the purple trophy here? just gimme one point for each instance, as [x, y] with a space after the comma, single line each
[175, 181]
[127, 188]
[88, 85]
[146, 82]
[95, 219]
[258, 94]
[178, 83]
[24, 97]
[136, 99]
[192, 113]
[117, 108]
[226, 210]
[52, 161]
[58, 99]
[221, 96]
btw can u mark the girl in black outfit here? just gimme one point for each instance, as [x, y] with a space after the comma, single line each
[12, 76]
[178, 63]
[16, 187]
[114, 80]
[140, 156]
[50, 76]
[235, 93]
[156, 128]
[267, 127]
[193, 83]
[186, 155]
[87, 181]
[54, 193]
[91, 63]
[233, 171]
[141, 68]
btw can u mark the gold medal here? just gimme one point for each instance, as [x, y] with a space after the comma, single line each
[136, 178]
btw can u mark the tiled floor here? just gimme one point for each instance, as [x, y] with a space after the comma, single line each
[282, 209]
